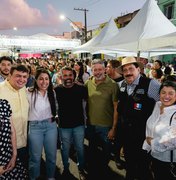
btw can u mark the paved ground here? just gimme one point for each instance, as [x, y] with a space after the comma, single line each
[95, 171]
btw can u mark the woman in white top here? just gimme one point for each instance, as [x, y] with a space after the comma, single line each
[42, 125]
[161, 132]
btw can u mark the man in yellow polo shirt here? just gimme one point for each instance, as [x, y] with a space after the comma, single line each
[14, 91]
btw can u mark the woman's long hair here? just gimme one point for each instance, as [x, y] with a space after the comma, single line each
[50, 91]
[81, 72]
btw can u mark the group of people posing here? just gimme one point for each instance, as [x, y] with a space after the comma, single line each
[115, 103]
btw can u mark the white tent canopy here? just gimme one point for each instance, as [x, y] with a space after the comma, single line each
[167, 40]
[38, 42]
[108, 32]
[144, 54]
[143, 32]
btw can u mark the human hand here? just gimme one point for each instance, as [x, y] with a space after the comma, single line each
[11, 164]
[111, 134]
[2, 170]
[148, 139]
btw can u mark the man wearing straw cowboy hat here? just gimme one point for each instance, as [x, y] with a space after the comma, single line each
[136, 101]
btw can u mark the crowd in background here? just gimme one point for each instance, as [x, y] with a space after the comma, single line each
[108, 102]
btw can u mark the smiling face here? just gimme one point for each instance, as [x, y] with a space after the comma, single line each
[18, 79]
[167, 96]
[43, 82]
[98, 71]
[130, 72]
[67, 78]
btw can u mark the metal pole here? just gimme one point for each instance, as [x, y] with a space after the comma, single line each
[85, 17]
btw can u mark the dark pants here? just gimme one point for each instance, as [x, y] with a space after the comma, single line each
[22, 154]
[97, 137]
[118, 144]
[161, 170]
[137, 165]
[137, 160]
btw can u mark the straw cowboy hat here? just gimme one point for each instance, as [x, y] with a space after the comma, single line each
[129, 60]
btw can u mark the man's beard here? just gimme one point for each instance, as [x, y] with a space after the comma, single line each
[101, 77]
[68, 82]
[4, 74]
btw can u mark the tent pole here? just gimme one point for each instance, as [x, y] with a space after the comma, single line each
[138, 55]
[149, 58]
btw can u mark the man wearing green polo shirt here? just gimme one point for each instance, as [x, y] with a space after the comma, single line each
[102, 110]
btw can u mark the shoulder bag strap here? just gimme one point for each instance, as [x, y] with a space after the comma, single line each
[171, 156]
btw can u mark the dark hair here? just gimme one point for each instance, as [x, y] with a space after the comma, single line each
[114, 63]
[167, 70]
[168, 83]
[169, 78]
[50, 91]
[159, 62]
[19, 67]
[68, 68]
[87, 61]
[136, 64]
[81, 72]
[29, 67]
[159, 73]
[6, 58]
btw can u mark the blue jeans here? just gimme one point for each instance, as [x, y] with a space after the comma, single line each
[98, 135]
[42, 134]
[75, 136]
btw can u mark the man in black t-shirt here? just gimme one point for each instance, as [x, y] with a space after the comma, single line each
[70, 97]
